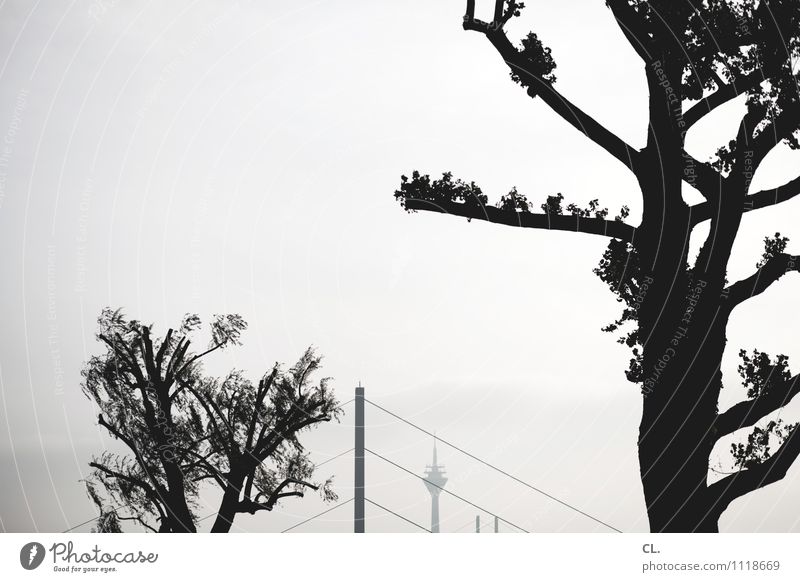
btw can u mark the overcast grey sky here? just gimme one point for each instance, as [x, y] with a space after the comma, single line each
[215, 157]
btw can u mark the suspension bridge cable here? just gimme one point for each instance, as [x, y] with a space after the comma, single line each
[397, 515]
[92, 519]
[334, 458]
[499, 470]
[80, 524]
[338, 505]
[410, 472]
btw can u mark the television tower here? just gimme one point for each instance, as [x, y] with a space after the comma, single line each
[434, 481]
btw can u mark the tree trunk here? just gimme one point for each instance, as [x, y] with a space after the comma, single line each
[178, 508]
[182, 521]
[674, 449]
[680, 327]
[230, 501]
[682, 383]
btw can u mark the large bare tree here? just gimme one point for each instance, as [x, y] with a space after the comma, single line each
[697, 56]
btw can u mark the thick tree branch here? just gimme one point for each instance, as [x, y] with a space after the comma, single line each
[749, 412]
[278, 493]
[202, 460]
[213, 411]
[778, 129]
[136, 452]
[176, 358]
[723, 94]
[570, 112]
[702, 176]
[770, 471]
[633, 28]
[703, 211]
[775, 268]
[149, 356]
[499, 15]
[263, 389]
[121, 348]
[729, 202]
[162, 350]
[251, 506]
[565, 222]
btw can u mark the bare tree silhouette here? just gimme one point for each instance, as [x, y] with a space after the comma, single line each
[180, 428]
[257, 458]
[697, 56]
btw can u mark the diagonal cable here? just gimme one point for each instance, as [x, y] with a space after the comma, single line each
[93, 519]
[338, 505]
[334, 458]
[410, 472]
[499, 470]
[397, 515]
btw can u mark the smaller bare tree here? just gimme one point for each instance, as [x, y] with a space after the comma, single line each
[257, 457]
[181, 428]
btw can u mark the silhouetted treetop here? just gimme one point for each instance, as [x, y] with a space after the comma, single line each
[182, 428]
